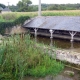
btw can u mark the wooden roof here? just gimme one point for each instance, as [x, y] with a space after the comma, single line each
[68, 23]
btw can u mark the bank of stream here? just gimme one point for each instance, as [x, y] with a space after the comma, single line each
[61, 76]
[62, 44]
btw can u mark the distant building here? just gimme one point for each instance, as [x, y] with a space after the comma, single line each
[6, 10]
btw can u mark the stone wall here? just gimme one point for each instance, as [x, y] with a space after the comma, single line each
[15, 30]
[65, 55]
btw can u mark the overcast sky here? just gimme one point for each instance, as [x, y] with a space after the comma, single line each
[14, 2]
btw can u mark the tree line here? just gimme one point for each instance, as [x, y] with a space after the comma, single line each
[26, 6]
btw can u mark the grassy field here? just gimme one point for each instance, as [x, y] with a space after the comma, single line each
[14, 15]
[61, 13]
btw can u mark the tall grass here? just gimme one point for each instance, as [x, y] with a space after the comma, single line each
[14, 15]
[61, 13]
[19, 57]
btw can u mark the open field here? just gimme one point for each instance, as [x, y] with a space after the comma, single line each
[47, 13]
[61, 13]
[14, 15]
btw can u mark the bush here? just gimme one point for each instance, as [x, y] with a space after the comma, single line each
[4, 25]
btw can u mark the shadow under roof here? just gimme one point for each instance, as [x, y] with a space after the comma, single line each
[68, 23]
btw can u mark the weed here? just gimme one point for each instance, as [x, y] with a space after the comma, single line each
[19, 57]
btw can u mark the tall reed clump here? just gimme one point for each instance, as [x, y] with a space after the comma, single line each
[20, 57]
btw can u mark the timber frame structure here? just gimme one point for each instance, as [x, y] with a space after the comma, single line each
[65, 27]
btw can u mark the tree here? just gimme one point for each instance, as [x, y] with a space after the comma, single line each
[13, 8]
[2, 5]
[26, 2]
[24, 5]
[20, 4]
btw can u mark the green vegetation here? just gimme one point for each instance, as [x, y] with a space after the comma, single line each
[24, 5]
[45, 7]
[14, 15]
[71, 75]
[20, 57]
[2, 5]
[15, 18]
[61, 13]
[44, 13]
[8, 17]
[10, 21]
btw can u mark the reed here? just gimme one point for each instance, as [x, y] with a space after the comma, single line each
[20, 57]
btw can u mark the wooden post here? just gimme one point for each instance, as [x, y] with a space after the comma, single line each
[72, 35]
[35, 34]
[35, 31]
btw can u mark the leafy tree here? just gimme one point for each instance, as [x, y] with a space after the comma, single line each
[23, 9]
[2, 5]
[20, 4]
[24, 5]
[26, 2]
[13, 8]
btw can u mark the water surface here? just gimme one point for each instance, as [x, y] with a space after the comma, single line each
[60, 43]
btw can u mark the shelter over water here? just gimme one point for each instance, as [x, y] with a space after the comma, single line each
[57, 24]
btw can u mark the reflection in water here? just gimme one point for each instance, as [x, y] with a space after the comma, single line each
[60, 43]
[51, 42]
[36, 38]
[72, 45]
[35, 34]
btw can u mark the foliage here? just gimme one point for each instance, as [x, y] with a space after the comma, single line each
[46, 7]
[13, 8]
[19, 57]
[15, 15]
[2, 5]
[20, 4]
[6, 24]
[27, 2]
[60, 6]
[24, 5]
[23, 9]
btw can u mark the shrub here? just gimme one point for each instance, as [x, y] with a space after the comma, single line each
[4, 25]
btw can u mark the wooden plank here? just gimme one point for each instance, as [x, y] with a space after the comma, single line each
[57, 36]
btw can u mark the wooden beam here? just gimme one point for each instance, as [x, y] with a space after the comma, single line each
[72, 33]
[35, 31]
[51, 31]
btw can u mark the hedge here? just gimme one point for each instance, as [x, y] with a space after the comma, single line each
[20, 20]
